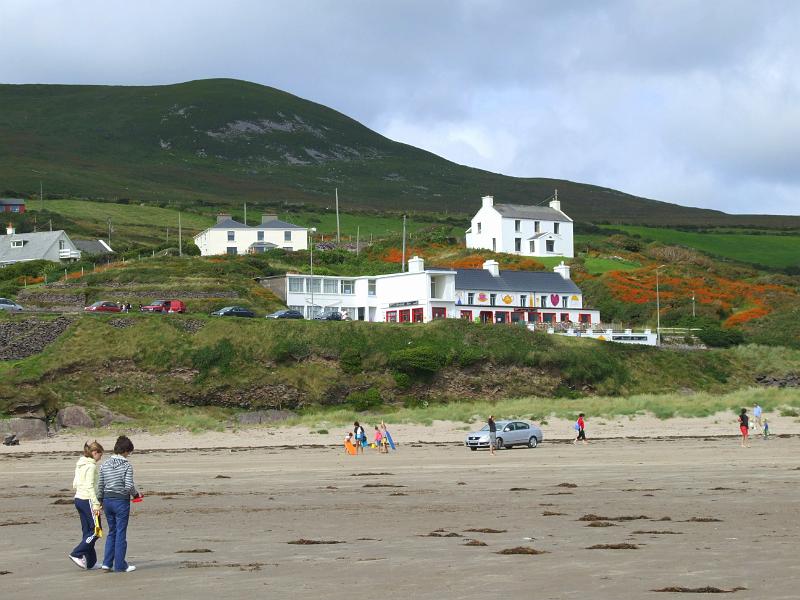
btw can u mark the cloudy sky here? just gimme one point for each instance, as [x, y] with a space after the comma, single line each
[691, 102]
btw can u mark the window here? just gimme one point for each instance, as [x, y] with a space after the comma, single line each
[371, 287]
[391, 316]
[494, 244]
[348, 287]
[16, 244]
[260, 236]
[516, 225]
[330, 286]
[523, 299]
[466, 315]
[550, 246]
[479, 227]
[417, 315]
[287, 236]
[499, 317]
[61, 244]
[543, 301]
[296, 284]
[433, 288]
[555, 227]
[585, 318]
[533, 247]
[536, 227]
[521, 426]
[517, 244]
[296, 307]
[316, 285]
[231, 236]
[470, 298]
[288, 248]
[405, 316]
[564, 317]
[438, 312]
[549, 317]
[15, 208]
[564, 300]
[492, 299]
[231, 250]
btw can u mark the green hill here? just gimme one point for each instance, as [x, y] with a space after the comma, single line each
[220, 142]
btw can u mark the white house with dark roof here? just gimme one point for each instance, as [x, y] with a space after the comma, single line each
[227, 236]
[522, 229]
[45, 245]
[494, 296]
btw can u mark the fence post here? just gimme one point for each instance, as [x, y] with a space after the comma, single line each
[81, 270]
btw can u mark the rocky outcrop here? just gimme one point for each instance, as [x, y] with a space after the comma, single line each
[264, 416]
[274, 396]
[24, 428]
[74, 416]
[792, 380]
[25, 337]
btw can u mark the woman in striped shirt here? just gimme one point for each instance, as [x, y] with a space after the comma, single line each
[115, 490]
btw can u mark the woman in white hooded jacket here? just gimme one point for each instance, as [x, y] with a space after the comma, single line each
[87, 504]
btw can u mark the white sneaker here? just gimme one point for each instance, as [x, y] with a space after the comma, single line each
[79, 562]
[130, 568]
[103, 567]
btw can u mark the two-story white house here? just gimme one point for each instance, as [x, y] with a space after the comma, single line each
[418, 295]
[227, 236]
[522, 229]
[494, 296]
[44, 245]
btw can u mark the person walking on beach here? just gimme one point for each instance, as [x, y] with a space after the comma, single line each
[87, 504]
[115, 490]
[492, 434]
[766, 428]
[744, 427]
[757, 416]
[580, 427]
[360, 435]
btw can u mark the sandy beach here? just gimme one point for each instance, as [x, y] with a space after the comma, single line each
[688, 511]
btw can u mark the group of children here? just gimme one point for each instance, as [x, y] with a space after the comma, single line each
[108, 489]
[758, 421]
[355, 441]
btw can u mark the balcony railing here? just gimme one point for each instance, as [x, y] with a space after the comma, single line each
[67, 254]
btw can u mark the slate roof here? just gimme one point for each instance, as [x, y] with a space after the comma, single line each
[229, 224]
[276, 224]
[35, 247]
[11, 201]
[92, 246]
[515, 281]
[524, 211]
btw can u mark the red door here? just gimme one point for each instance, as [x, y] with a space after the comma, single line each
[417, 315]
[438, 312]
[466, 314]
[405, 316]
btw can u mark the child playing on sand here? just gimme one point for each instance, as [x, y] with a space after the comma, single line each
[744, 427]
[86, 503]
[115, 489]
[766, 428]
[580, 427]
[378, 439]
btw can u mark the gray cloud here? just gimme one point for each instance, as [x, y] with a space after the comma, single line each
[694, 102]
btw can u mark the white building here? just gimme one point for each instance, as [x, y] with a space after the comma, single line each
[45, 245]
[495, 296]
[227, 236]
[521, 229]
[418, 295]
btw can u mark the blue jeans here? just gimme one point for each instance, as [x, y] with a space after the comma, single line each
[117, 513]
[86, 546]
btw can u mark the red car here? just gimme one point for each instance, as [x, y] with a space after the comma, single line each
[165, 306]
[103, 307]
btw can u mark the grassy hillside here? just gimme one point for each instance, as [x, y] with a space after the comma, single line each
[221, 142]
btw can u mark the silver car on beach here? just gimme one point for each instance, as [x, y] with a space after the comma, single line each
[509, 433]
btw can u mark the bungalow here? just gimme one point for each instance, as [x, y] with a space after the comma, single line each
[46, 245]
[227, 236]
[12, 205]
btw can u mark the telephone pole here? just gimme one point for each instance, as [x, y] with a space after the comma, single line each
[403, 264]
[338, 233]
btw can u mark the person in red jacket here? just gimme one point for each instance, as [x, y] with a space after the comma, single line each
[744, 427]
[580, 427]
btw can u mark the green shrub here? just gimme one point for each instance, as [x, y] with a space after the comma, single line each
[350, 361]
[364, 400]
[586, 365]
[290, 349]
[716, 337]
[219, 356]
[419, 359]
[469, 355]
[401, 380]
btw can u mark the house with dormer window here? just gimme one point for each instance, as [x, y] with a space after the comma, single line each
[44, 245]
[522, 229]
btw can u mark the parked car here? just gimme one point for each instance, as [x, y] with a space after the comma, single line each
[334, 316]
[286, 314]
[509, 433]
[104, 306]
[9, 305]
[165, 306]
[233, 311]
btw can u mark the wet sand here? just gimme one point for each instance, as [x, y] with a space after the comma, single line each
[690, 513]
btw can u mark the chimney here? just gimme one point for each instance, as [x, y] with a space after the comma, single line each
[493, 267]
[223, 217]
[555, 204]
[562, 270]
[268, 219]
[416, 265]
[488, 201]
[10, 229]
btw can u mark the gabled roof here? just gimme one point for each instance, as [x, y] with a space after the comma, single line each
[515, 281]
[524, 211]
[11, 201]
[35, 245]
[92, 246]
[277, 224]
[229, 224]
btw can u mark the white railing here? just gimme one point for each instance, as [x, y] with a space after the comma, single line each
[67, 254]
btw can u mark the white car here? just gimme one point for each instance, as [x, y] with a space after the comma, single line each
[6, 304]
[509, 433]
